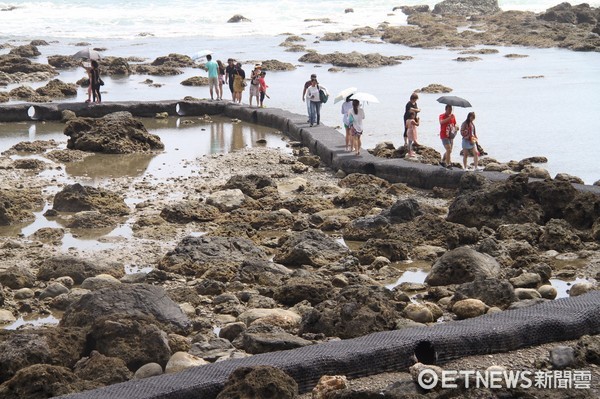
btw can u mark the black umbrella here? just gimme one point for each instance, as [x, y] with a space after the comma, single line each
[454, 101]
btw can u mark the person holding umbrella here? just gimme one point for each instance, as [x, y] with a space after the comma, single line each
[96, 81]
[347, 106]
[447, 134]
[356, 115]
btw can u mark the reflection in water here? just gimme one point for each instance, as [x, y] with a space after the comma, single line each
[32, 130]
[185, 139]
[101, 166]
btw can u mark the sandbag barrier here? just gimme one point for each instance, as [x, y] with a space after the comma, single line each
[558, 320]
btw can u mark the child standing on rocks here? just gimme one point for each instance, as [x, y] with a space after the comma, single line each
[411, 132]
[262, 85]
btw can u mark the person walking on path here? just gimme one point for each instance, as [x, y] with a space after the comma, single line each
[307, 84]
[96, 82]
[346, 106]
[356, 115]
[469, 140]
[411, 105]
[314, 95]
[254, 88]
[262, 87]
[221, 79]
[239, 83]
[411, 128]
[447, 134]
[213, 76]
[229, 76]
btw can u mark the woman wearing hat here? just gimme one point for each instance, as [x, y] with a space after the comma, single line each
[254, 84]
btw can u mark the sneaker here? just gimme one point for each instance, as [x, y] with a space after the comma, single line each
[442, 164]
[311, 125]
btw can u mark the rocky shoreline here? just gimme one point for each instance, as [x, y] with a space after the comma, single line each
[262, 251]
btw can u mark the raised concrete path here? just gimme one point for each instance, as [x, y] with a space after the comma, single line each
[322, 140]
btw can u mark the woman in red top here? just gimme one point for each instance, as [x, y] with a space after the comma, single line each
[447, 133]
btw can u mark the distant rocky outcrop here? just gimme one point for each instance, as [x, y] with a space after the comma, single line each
[15, 69]
[63, 61]
[27, 51]
[238, 18]
[467, 7]
[275, 65]
[565, 13]
[350, 60]
[116, 133]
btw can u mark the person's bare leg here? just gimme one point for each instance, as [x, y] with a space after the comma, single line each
[447, 154]
[349, 146]
[357, 144]
[465, 156]
[475, 156]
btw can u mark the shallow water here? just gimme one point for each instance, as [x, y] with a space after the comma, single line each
[517, 118]
[183, 143]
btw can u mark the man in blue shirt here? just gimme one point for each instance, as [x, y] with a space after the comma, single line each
[213, 74]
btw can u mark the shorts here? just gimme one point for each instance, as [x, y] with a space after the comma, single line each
[446, 142]
[212, 82]
[467, 145]
[355, 132]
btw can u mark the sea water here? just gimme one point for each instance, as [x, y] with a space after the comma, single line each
[516, 117]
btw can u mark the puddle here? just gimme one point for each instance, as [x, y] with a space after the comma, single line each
[185, 139]
[416, 276]
[33, 321]
[562, 286]
[132, 269]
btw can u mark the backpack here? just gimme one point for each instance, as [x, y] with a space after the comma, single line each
[323, 96]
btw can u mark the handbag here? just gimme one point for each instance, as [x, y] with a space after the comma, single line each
[323, 97]
[451, 131]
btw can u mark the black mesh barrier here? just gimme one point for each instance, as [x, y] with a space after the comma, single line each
[561, 319]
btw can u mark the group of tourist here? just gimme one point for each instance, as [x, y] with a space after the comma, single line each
[235, 77]
[448, 131]
[315, 95]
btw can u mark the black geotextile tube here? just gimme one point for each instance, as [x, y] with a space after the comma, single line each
[558, 320]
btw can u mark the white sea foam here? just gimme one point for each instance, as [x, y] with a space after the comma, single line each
[180, 18]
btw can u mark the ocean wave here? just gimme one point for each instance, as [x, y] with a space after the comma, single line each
[185, 18]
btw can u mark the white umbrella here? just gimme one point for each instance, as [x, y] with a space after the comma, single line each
[344, 93]
[365, 97]
[87, 54]
[200, 54]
